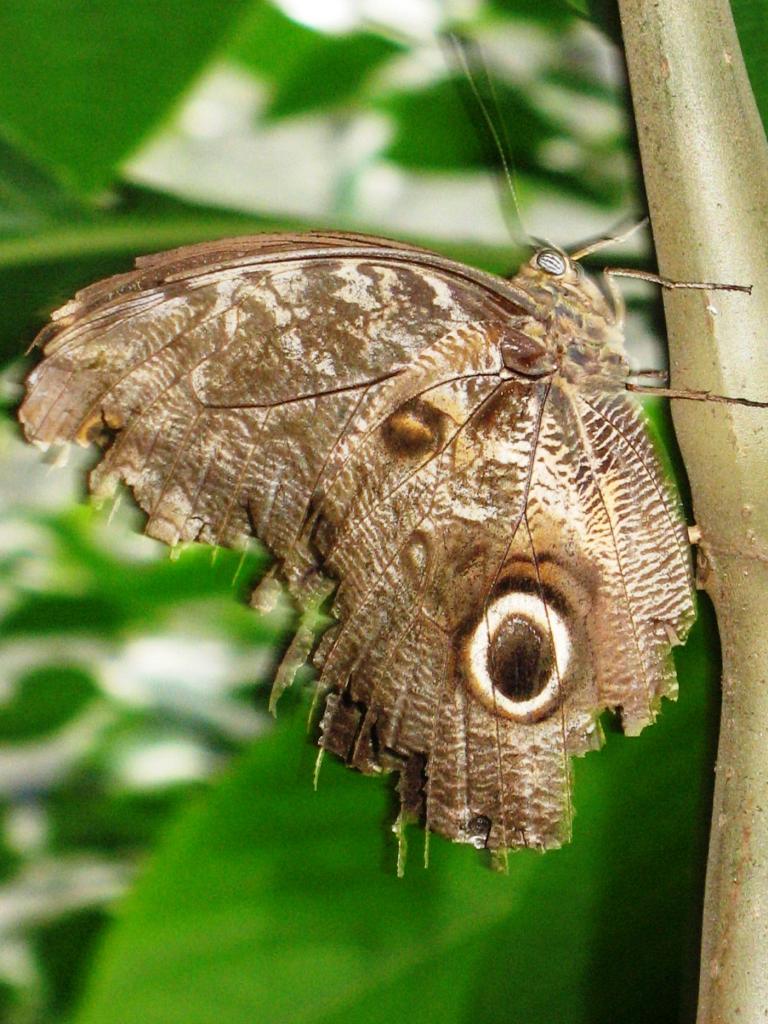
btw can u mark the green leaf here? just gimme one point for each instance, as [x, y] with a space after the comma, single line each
[427, 136]
[308, 70]
[86, 812]
[9, 862]
[28, 196]
[81, 83]
[332, 74]
[271, 902]
[43, 700]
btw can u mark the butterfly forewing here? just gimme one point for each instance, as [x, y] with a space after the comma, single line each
[507, 556]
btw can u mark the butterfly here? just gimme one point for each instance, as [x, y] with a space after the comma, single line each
[450, 460]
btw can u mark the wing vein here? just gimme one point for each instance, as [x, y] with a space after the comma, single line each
[664, 498]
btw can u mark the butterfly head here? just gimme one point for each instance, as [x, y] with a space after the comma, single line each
[560, 281]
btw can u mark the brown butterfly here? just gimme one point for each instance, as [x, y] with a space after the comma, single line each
[453, 455]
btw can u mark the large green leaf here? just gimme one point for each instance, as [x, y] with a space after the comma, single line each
[81, 82]
[270, 902]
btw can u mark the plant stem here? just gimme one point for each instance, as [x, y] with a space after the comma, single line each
[705, 164]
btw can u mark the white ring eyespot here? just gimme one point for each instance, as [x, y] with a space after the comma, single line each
[517, 657]
[552, 261]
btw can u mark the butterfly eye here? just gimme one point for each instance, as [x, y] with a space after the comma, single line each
[552, 261]
[518, 655]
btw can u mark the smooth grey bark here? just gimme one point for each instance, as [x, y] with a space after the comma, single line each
[705, 164]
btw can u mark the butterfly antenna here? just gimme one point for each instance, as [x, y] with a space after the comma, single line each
[500, 134]
[501, 142]
[603, 243]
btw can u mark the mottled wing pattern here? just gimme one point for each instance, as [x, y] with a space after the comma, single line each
[228, 373]
[509, 558]
[639, 543]
[533, 499]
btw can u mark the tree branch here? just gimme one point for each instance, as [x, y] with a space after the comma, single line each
[705, 163]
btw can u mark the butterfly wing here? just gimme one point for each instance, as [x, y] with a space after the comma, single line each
[509, 559]
[227, 372]
[520, 570]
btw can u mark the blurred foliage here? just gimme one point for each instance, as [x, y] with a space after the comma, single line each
[43, 700]
[130, 681]
[289, 56]
[86, 81]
